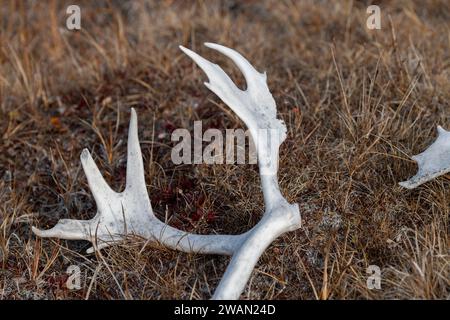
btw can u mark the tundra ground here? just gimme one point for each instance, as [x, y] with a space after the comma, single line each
[357, 104]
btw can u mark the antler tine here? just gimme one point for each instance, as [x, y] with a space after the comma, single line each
[253, 78]
[99, 187]
[66, 229]
[135, 165]
[433, 162]
[221, 84]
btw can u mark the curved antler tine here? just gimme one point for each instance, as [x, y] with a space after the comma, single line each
[212, 70]
[135, 166]
[251, 75]
[220, 83]
[216, 76]
[442, 130]
[66, 229]
[99, 188]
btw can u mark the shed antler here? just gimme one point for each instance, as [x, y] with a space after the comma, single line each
[130, 212]
[433, 162]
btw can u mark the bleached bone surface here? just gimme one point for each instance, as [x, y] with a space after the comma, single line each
[130, 212]
[433, 162]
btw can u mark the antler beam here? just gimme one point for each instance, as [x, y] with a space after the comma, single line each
[130, 212]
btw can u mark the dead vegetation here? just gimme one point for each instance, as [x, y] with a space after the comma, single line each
[357, 104]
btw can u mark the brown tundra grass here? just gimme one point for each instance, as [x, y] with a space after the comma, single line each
[357, 103]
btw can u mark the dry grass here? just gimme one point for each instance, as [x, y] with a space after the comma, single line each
[357, 104]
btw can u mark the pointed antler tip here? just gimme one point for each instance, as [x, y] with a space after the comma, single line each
[37, 231]
[49, 233]
[403, 184]
[218, 47]
[133, 114]
[85, 154]
[184, 49]
[406, 184]
[193, 55]
[440, 130]
[133, 123]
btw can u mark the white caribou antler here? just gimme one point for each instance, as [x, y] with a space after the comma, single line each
[130, 212]
[433, 162]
